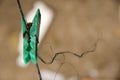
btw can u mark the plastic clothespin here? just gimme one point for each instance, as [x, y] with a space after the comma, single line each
[30, 39]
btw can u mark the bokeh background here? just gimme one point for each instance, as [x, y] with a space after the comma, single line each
[76, 26]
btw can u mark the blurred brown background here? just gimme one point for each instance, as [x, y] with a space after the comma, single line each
[76, 26]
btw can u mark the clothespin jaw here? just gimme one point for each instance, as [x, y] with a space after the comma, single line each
[36, 24]
[30, 48]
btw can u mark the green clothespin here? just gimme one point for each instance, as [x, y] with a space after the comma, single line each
[30, 33]
[30, 38]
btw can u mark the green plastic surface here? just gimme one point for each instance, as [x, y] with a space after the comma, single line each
[30, 49]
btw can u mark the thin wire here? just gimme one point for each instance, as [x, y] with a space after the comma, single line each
[69, 52]
[39, 74]
[71, 65]
[20, 8]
